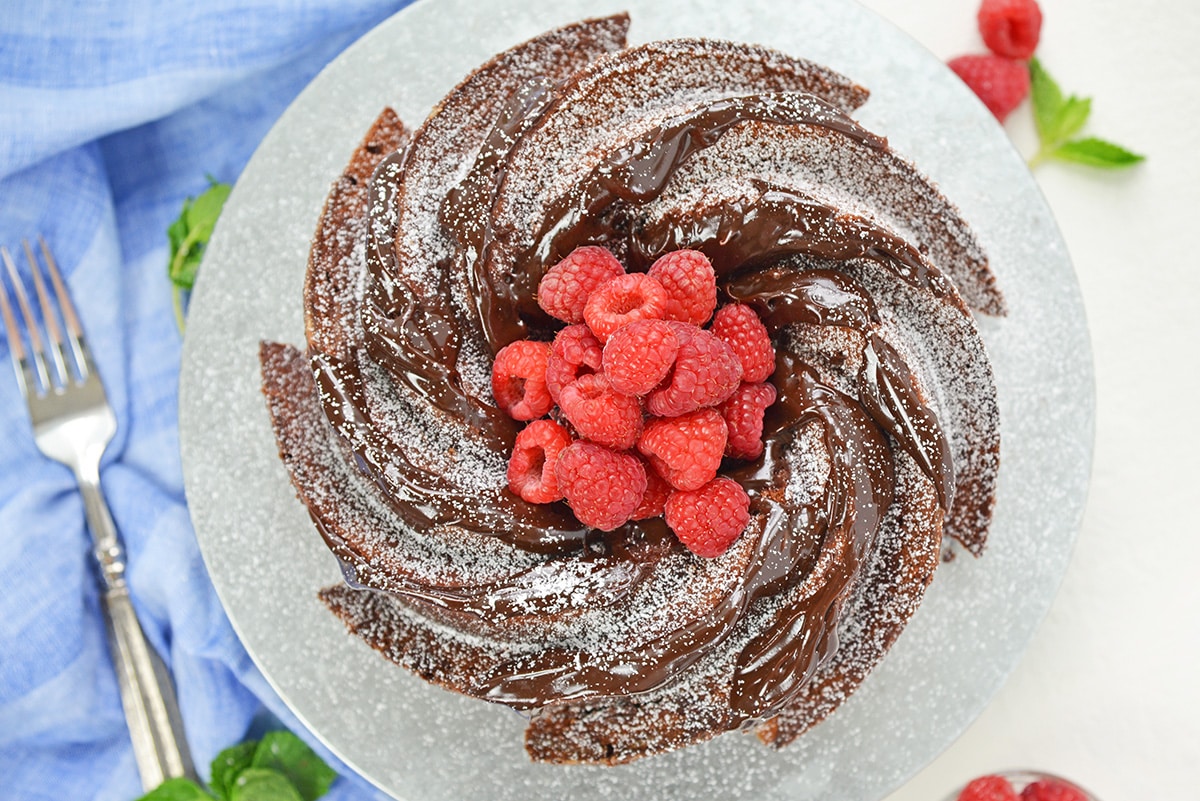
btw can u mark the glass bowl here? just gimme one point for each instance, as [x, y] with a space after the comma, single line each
[1021, 778]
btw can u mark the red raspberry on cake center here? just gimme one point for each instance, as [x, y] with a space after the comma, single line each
[655, 497]
[603, 487]
[575, 352]
[531, 466]
[691, 285]
[600, 413]
[639, 355]
[565, 288]
[519, 379]
[686, 450]
[743, 414]
[709, 519]
[706, 372]
[624, 300]
[738, 326]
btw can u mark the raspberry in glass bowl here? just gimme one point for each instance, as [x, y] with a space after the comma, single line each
[1021, 785]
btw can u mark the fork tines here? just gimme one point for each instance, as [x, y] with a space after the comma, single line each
[59, 357]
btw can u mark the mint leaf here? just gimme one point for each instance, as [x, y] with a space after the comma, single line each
[184, 275]
[191, 231]
[1096, 153]
[228, 765]
[1074, 113]
[263, 784]
[1060, 117]
[280, 767]
[178, 230]
[285, 752]
[179, 789]
[205, 210]
[1047, 99]
[1057, 117]
[188, 236]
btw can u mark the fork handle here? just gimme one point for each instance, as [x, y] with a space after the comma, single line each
[151, 710]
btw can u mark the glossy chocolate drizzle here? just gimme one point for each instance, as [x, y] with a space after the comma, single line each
[596, 210]
[807, 556]
[766, 223]
[837, 530]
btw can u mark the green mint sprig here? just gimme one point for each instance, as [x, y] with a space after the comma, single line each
[189, 235]
[279, 767]
[1059, 117]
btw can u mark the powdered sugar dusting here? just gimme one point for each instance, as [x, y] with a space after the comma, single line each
[427, 438]
[875, 184]
[351, 509]
[952, 368]
[445, 146]
[630, 92]
[809, 466]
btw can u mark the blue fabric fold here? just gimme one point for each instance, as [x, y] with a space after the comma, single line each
[111, 114]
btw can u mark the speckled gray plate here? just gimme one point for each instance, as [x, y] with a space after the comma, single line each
[419, 742]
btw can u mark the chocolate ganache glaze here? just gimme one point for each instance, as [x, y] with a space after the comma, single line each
[623, 644]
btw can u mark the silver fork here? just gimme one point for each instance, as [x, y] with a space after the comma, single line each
[73, 424]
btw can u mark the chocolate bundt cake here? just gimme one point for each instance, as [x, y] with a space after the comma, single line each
[426, 262]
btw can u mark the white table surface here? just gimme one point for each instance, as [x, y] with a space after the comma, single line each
[1107, 693]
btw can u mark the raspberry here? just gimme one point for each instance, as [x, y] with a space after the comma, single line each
[519, 379]
[1010, 28]
[600, 413]
[655, 496]
[738, 326]
[531, 466]
[624, 300]
[685, 450]
[691, 285]
[709, 519]
[639, 355]
[707, 371]
[988, 788]
[999, 82]
[1052, 790]
[743, 414]
[575, 352]
[603, 487]
[564, 289]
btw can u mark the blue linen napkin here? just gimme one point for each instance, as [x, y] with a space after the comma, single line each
[110, 115]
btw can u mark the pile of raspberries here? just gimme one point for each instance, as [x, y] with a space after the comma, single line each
[1010, 29]
[635, 404]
